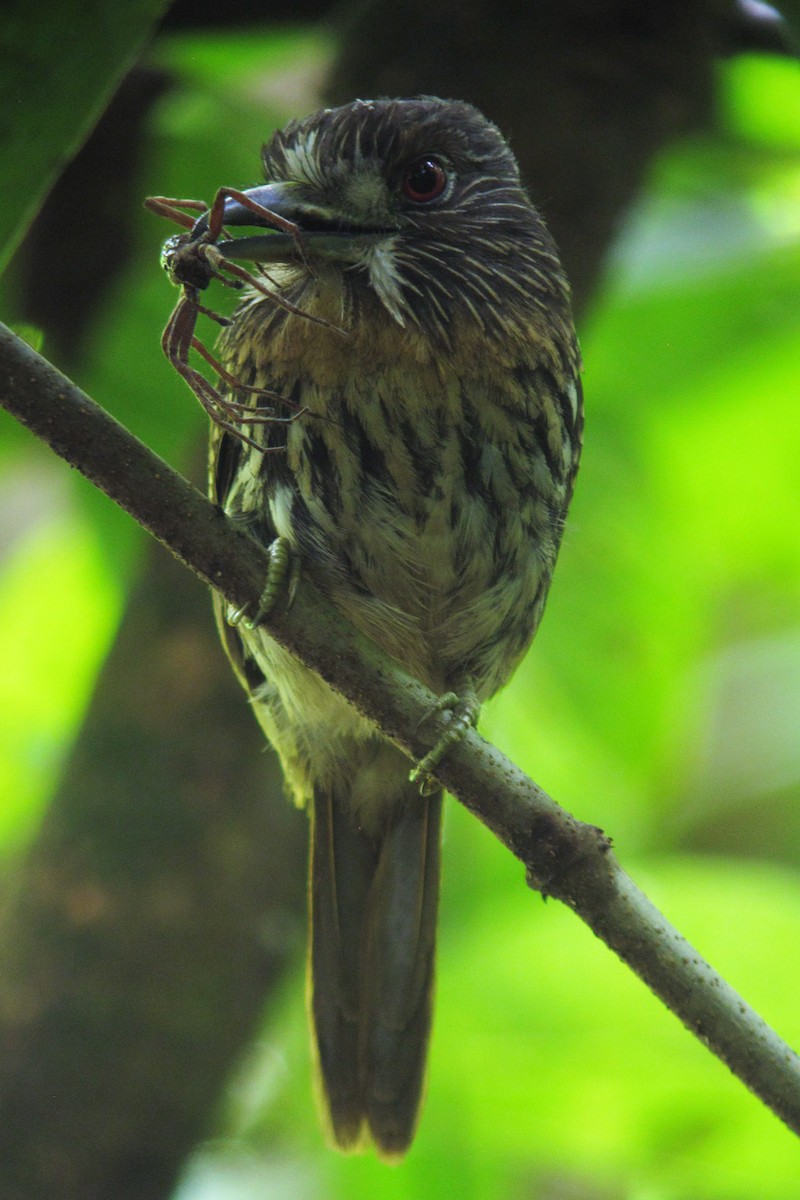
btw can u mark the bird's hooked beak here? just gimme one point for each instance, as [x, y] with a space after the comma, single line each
[319, 231]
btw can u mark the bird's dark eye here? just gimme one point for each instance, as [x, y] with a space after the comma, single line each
[424, 180]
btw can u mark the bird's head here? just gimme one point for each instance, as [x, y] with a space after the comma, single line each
[416, 203]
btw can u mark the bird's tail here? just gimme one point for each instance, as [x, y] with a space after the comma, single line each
[374, 901]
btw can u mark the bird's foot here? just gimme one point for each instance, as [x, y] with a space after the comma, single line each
[464, 712]
[283, 573]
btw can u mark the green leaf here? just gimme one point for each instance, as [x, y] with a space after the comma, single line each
[58, 67]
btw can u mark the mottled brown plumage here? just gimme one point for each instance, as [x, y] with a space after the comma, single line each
[424, 490]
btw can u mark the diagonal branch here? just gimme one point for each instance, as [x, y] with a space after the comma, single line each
[564, 858]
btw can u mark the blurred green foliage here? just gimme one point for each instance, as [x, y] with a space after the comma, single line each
[661, 700]
[49, 101]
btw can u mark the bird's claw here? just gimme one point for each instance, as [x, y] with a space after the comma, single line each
[464, 716]
[283, 572]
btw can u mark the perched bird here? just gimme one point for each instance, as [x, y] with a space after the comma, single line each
[422, 487]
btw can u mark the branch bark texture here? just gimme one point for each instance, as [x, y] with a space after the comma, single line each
[563, 857]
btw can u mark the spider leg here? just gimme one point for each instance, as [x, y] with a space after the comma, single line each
[215, 316]
[164, 206]
[233, 382]
[177, 340]
[192, 260]
[217, 211]
[223, 264]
